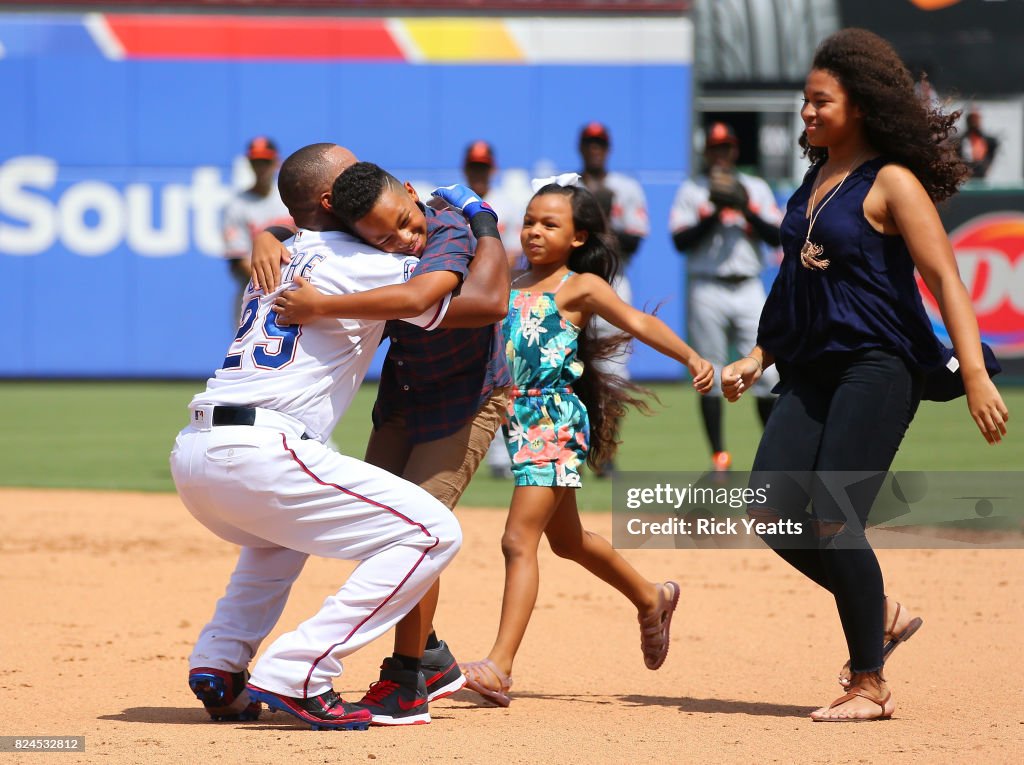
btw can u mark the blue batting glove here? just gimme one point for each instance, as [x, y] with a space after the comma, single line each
[463, 199]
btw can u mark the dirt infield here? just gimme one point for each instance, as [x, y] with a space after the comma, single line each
[104, 594]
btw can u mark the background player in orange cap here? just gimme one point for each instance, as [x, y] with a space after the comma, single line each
[478, 167]
[720, 221]
[624, 204]
[252, 211]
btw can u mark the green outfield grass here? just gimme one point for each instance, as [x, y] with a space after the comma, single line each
[117, 435]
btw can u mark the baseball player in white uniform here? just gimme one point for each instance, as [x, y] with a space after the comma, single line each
[478, 167]
[253, 210]
[720, 221]
[253, 468]
[624, 203]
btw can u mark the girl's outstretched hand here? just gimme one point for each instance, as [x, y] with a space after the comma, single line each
[703, 374]
[987, 408]
[739, 376]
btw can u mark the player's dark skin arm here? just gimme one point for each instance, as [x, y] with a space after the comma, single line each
[628, 244]
[767, 232]
[686, 238]
[483, 298]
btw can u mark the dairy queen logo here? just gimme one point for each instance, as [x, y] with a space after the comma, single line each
[990, 254]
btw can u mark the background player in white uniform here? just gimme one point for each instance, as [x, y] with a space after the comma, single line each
[624, 204]
[251, 466]
[720, 221]
[478, 167]
[252, 211]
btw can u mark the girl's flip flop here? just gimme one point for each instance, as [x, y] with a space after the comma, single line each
[473, 672]
[654, 628]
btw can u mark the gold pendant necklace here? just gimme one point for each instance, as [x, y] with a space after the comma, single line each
[811, 254]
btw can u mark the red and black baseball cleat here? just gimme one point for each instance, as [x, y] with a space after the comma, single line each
[327, 711]
[223, 694]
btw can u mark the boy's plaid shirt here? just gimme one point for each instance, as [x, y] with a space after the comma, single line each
[440, 379]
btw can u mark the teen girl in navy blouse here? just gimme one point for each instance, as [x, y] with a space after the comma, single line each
[846, 327]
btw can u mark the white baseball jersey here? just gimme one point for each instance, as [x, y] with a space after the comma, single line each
[628, 216]
[731, 249]
[510, 221]
[248, 214]
[283, 496]
[311, 371]
[629, 205]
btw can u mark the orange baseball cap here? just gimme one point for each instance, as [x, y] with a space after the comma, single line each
[261, 147]
[480, 153]
[595, 131]
[719, 133]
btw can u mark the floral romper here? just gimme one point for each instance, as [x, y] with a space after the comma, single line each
[548, 432]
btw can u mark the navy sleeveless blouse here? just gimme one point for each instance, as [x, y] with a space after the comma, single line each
[866, 298]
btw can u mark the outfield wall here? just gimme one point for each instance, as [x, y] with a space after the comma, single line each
[123, 135]
[122, 139]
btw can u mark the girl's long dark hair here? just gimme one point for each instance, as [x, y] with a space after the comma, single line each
[899, 123]
[606, 396]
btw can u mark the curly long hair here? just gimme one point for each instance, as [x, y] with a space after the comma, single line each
[606, 396]
[898, 123]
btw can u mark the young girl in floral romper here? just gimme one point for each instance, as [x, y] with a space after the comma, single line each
[562, 412]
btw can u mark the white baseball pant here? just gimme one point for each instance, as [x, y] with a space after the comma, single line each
[284, 498]
[720, 313]
[619, 363]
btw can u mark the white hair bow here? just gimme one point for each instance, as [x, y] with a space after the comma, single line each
[565, 179]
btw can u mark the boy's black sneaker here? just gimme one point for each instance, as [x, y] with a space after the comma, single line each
[441, 672]
[398, 698]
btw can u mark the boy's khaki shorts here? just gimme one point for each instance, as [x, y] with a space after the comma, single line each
[442, 467]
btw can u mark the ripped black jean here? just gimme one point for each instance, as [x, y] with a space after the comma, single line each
[842, 418]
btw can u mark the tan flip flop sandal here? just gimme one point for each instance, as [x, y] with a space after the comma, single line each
[474, 674]
[654, 628]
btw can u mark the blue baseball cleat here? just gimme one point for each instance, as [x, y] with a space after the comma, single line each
[223, 694]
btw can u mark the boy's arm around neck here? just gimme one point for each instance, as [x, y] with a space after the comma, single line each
[483, 299]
